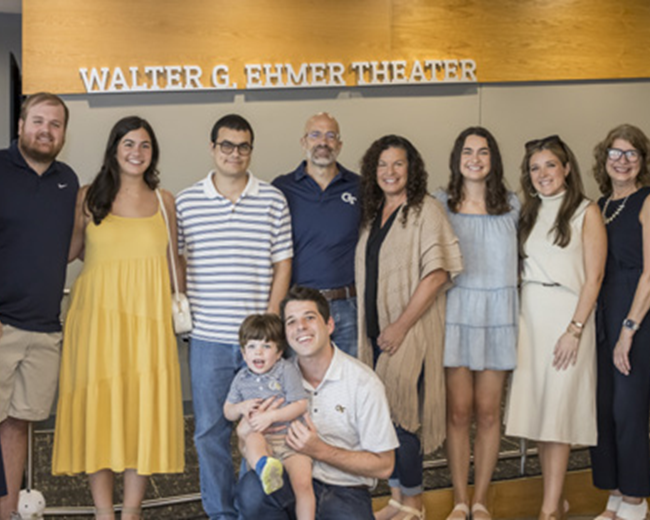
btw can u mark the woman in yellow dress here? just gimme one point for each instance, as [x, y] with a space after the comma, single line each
[120, 406]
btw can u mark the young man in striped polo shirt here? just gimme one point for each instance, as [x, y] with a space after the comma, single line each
[235, 232]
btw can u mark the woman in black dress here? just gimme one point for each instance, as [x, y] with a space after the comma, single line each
[621, 460]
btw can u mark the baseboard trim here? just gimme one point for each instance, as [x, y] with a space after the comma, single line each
[519, 498]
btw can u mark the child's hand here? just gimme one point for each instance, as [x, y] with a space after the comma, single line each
[249, 407]
[261, 421]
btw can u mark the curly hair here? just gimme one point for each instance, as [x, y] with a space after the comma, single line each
[496, 194]
[372, 197]
[104, 188]
[572, 199]
[637, 139]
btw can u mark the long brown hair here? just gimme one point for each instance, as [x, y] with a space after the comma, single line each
[496, 194]
[103, 190]
[573, 197]
[416, 183]
[636, 138]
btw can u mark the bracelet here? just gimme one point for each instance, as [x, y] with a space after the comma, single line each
[573, 332]
[577, 324]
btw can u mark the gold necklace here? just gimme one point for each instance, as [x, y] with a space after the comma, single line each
[618, 210]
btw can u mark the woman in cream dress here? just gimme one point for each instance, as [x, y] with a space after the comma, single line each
[563, 248]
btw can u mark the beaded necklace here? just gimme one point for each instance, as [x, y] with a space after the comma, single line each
[617, 211]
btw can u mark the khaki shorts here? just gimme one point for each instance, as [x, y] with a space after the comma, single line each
[29, 371]
[278, 446]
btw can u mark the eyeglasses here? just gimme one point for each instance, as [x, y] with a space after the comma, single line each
[315, 135]
[227, 147]
[631, 155]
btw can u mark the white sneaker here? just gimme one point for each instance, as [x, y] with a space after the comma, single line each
[628, 511]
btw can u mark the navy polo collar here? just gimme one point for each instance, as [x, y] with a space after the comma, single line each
[301, 172]
[18, 159]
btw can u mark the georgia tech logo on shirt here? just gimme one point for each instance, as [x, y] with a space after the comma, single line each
[274, 385]
[340, 408]
[349, 198]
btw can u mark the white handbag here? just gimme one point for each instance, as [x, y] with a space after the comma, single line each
[181, 315]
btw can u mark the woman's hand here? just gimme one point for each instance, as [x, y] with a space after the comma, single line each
[565, 353]
[391, 338]
[622, 352]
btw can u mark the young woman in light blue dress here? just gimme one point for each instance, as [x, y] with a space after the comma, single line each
[482, 312]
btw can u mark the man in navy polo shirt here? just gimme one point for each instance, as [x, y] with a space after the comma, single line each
[37, 208]
[323, 199]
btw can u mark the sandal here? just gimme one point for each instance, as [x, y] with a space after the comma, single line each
[461, 507]
[483, 513]
[413, 514]
[613, 503]
[393, 504]
[628, 511]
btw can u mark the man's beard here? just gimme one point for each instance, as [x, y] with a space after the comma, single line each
[321, 160]
[36, 153]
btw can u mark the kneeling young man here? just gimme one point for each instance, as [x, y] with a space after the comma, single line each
[347, 432]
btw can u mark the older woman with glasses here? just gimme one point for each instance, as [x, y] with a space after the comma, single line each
[621, 460]
[562, 246]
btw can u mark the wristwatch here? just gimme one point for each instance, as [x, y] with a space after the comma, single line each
[630, 324]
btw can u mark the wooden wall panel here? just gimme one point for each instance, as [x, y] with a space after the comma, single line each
[510, 40]
[530, 40]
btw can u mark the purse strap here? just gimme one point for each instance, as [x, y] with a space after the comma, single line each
[169, 237]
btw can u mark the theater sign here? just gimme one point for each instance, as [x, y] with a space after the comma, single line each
[109, 46]
[153, 78]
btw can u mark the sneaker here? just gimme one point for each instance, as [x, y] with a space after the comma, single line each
[271, 475]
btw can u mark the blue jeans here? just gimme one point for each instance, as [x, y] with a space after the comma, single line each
[212, 368]
[344, 313]
[332, 502]
[407, 474]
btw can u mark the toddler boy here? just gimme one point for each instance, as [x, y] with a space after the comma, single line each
[267, 374]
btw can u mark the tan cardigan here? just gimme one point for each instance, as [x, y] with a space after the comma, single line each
[407, 255]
